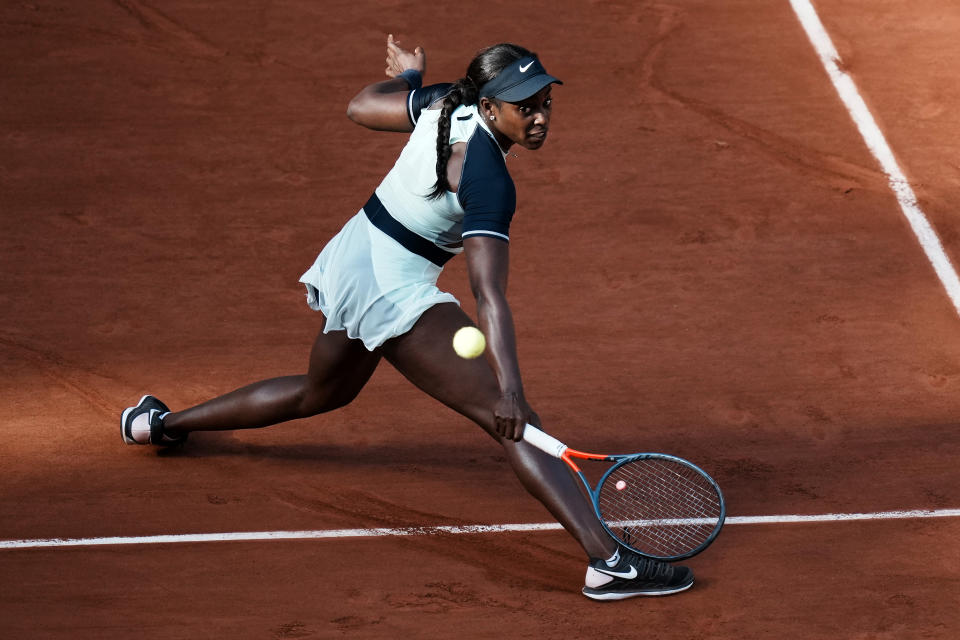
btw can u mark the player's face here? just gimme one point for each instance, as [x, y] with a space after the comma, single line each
[525, 123]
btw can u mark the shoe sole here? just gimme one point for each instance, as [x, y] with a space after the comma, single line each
[620, 595]
[123, 420]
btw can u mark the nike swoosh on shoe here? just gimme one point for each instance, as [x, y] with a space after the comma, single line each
[619, 574]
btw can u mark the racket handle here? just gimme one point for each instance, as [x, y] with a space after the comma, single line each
[543, 441]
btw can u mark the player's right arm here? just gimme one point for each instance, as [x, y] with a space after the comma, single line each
[488, 261]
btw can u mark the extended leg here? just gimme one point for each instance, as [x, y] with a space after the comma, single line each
[425, 357]
[339, 367]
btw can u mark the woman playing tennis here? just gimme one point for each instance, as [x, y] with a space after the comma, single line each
[375, 285]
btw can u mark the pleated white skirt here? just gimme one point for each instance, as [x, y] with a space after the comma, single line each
[365, 283]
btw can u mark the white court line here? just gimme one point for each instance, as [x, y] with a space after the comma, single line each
[427, 531]
[879, 148]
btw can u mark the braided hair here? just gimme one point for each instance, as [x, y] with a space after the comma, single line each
[483, 68]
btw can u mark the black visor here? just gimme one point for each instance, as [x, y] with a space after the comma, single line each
[518, 81]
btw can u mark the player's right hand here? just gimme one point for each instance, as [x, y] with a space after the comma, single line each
[512, 414]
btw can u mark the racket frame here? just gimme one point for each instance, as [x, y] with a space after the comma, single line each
[550, 445]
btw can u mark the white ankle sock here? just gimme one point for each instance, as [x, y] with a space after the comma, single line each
[614, 559]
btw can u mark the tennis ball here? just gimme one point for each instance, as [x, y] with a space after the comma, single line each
[469, 342]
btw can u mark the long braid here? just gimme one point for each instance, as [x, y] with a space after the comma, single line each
[483, 68]
[464, 91]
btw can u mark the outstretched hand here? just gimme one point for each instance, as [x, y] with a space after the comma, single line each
[399, 59]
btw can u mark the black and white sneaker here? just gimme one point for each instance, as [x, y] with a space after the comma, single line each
[143, 424]
[633, 576]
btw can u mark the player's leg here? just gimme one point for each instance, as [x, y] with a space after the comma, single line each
[339, 367]
[424, 355]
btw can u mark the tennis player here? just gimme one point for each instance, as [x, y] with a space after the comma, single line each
[375, 284]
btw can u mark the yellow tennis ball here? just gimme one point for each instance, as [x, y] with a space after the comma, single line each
[469, 342]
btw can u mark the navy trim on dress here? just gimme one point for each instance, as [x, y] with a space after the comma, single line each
[486, 191]
[381, 219]
[420, 99]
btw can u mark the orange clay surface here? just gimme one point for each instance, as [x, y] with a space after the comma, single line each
[706, 260]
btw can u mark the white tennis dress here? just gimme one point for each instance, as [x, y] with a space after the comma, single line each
[378, 275]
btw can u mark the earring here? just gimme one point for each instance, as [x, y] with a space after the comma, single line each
[493, 117]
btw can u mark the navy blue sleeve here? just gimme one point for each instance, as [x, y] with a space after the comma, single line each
[420, 99]
[486, 192]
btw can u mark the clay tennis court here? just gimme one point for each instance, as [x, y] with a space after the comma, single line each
[707, 260]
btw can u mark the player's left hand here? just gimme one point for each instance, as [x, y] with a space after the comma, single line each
[399, 59]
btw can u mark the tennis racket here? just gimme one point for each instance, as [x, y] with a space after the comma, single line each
[657, 505]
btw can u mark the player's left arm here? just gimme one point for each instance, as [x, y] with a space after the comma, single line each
[384, 105]
[488, 263]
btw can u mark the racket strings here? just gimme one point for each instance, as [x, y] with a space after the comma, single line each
[663, 506]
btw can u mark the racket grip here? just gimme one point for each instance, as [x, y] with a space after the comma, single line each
[543, 441]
